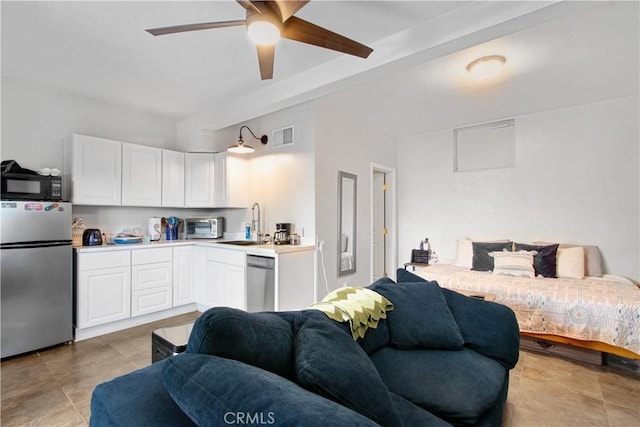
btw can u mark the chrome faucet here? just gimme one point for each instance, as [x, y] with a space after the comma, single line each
[255, 223]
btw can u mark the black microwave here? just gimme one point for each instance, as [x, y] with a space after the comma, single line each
[24, 186]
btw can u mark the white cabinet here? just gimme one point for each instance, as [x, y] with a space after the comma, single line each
[96, 171]
[200, 180]
[172, 179]
[103, 288]
[231, 183]
[151, 280]
[226, 278]
[184, 275]
[141, 175]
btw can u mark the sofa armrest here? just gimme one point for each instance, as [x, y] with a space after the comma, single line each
[216, 391]
[486, 327]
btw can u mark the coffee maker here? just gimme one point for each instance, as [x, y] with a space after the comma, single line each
[281, 236]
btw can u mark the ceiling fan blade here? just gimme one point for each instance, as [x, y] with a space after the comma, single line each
[287, 8]
[251, 5]
[302, 31]
[194, 27]
[266, 54]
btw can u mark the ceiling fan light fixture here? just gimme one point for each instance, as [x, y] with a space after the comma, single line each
[263, 28]
[486, 67]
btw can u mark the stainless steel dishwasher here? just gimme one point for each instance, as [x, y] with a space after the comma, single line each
[260, 283]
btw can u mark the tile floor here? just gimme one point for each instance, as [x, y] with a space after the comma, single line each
[53, 387]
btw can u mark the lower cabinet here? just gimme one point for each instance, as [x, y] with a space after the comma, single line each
[184, 275]
[103, 288]
[225, 282]
[151, 282]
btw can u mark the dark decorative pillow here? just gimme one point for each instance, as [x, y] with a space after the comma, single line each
[264, 340]
[482, 261]
[330, 363]
[214, 391]
[421, 317]
[544, 262]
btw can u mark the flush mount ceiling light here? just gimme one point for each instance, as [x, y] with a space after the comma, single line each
[241, 148]
[486, 67]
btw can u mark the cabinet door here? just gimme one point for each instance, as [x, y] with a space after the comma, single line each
[225, 285]
[96, 171]
[103, 296]
[199, 180]
[141, 175]
[147, 276]
[172, 179]
[184, 275]
[232, 185]
[150, 300]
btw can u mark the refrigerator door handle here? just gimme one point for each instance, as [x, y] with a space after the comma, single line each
[42, 244]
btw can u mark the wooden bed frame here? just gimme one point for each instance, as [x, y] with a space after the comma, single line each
[589, 345]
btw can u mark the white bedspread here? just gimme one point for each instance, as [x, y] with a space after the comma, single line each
[591, 309]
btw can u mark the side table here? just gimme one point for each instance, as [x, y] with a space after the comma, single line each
[169, 341]
[414, 265]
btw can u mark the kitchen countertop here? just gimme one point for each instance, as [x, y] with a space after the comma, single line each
[268, 249]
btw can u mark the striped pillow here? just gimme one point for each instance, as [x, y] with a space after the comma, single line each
[518, 263]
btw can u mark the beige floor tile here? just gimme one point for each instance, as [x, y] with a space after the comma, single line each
[33, 404]
[84, 409]
[67, 417]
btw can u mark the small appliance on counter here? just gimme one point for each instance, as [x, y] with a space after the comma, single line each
[154, 228]
[204, 228]
[281, 236]
[91, 237]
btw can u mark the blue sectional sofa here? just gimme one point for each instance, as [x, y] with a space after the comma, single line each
[439, 358]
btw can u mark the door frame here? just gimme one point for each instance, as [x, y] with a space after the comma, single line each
[391, 258]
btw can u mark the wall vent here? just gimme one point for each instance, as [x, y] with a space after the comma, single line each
[282, 137]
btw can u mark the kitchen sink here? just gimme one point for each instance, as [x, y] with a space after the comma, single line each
[240, 242]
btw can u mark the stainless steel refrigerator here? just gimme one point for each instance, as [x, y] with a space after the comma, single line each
[36, 279]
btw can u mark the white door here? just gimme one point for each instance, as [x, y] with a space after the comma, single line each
[96, 171]
[103, 296]
[183, 276]
[379, 228]
[141, 175]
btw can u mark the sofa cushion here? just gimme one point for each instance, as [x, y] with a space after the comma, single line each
[413, 415]
[421, 317]
[329, 362]
[215, 391]
[136, 399]
[459, 386]
[264, 340]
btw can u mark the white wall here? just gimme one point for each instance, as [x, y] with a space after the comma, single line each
[575, 180]
[36, 121]
[344, 144]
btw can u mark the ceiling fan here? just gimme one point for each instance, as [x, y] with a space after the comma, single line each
[267, 21]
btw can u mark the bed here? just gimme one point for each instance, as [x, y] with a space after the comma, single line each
[600, 313]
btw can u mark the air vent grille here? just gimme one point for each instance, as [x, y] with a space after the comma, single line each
[282, 137]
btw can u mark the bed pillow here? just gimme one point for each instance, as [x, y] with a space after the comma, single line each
[482, 261]
[544, 263]
[519, 264]
[571, 262]
[464, 251]
[592, 258]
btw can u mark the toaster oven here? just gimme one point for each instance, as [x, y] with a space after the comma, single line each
[204, 228]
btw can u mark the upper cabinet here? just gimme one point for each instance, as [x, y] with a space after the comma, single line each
[172, 178]
[113, 173]
[199, 180]
[141, 175]
[232, 189]
[96, 171]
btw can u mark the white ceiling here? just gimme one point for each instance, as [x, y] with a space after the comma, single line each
[557, 55]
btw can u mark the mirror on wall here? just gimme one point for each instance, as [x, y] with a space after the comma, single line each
[347, 187]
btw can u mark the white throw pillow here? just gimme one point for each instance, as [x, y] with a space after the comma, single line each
[519, 264]
[571, 262]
